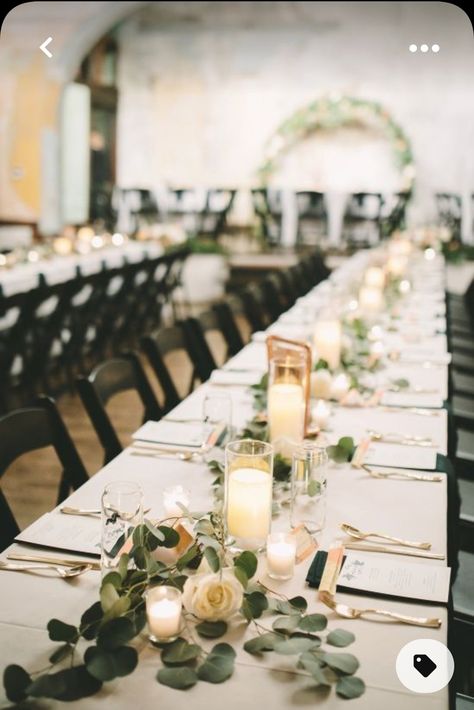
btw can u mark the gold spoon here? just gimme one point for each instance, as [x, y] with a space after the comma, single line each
[360, 535]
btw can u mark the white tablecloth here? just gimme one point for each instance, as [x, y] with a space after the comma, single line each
[410, 509]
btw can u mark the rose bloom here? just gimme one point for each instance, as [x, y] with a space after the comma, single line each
[213, 597]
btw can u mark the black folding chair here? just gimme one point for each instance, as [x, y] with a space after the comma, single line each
[158, 346]
[28, 429]
[233, 322]
[116, 375]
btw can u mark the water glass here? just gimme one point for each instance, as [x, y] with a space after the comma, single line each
[122, 511]
[217, 411]
[308, 487]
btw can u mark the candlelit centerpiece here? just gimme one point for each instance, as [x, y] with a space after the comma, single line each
[248, 493]
[327, 339]
[289, 372]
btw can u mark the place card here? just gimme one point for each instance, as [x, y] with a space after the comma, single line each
[385, 577]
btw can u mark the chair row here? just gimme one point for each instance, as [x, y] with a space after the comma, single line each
[50, 333]
[232, 321]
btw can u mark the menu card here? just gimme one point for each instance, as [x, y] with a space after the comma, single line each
[400, 456]
[386, 577]
[64, 532]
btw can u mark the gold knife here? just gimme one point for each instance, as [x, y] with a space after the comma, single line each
[360, 547]
[66, 562]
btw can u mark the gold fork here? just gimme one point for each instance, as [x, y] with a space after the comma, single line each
[401, 475]
[349, 612]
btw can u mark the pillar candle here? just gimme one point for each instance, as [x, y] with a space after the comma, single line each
[286, 415]
[327, 342]
[370, 299]
[249, 504]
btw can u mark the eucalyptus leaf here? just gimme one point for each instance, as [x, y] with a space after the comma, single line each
[191, 553]
[254, 605]
[211, 629]
[262, 643]
[294, 645]
[343, 662]
[59, 631]
[350, 687]
[241, 576]
[61, 653]
[156, 532]
[219, 664]
[212, 559]
[67, 685]
[116, 633]
[121, 606]
[313, 666]
[248, 562]
[177, 678]
[313, 622]
[90, 621]
[123, 566]
[179, 652]
[108, 597]
[286, 624]
[15, 682]
[171, 537]
[340, 637]
[314, 488]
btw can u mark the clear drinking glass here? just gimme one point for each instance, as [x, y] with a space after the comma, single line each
[308, 487]
[217, 410]
[248, 493]
[122, 511]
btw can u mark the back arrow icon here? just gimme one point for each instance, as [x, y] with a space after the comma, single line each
[44, 45]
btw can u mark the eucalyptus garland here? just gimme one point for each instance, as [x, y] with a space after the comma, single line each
[112, 626]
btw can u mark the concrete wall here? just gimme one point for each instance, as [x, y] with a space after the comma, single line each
[203, 86]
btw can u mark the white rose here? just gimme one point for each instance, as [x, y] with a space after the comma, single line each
[213, 597]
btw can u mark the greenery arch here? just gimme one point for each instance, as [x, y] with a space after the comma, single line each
[333, 112]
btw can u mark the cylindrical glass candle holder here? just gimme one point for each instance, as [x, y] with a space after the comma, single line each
[281, 554]
[327, 340]
[163, 613]
[288, 395]
[308, 487]
[248, 493]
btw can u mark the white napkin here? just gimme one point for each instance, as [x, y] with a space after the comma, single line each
[412, 399]
[182, 434]
[422, 458]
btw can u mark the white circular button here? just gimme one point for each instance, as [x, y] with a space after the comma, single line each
[424, 48]
[413, 48]
[425, 666]
[435, 48]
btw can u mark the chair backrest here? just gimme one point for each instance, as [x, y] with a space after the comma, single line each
[199, 348]
[231, 317]
[255, 307]
[111, 377]
[157, 346]
[28, 429]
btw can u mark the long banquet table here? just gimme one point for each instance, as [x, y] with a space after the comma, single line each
[411, 509]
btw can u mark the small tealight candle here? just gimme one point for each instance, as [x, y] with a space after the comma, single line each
[281, 554]
[62, 246]
[3, 260]
[429, 254]
[340, 386]
[377, 349]
[33, 256]
[97, 241]
[397, 265]
[117, 239]
[320, 414]
[370, 299]
[171, 497]
[163, 613]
